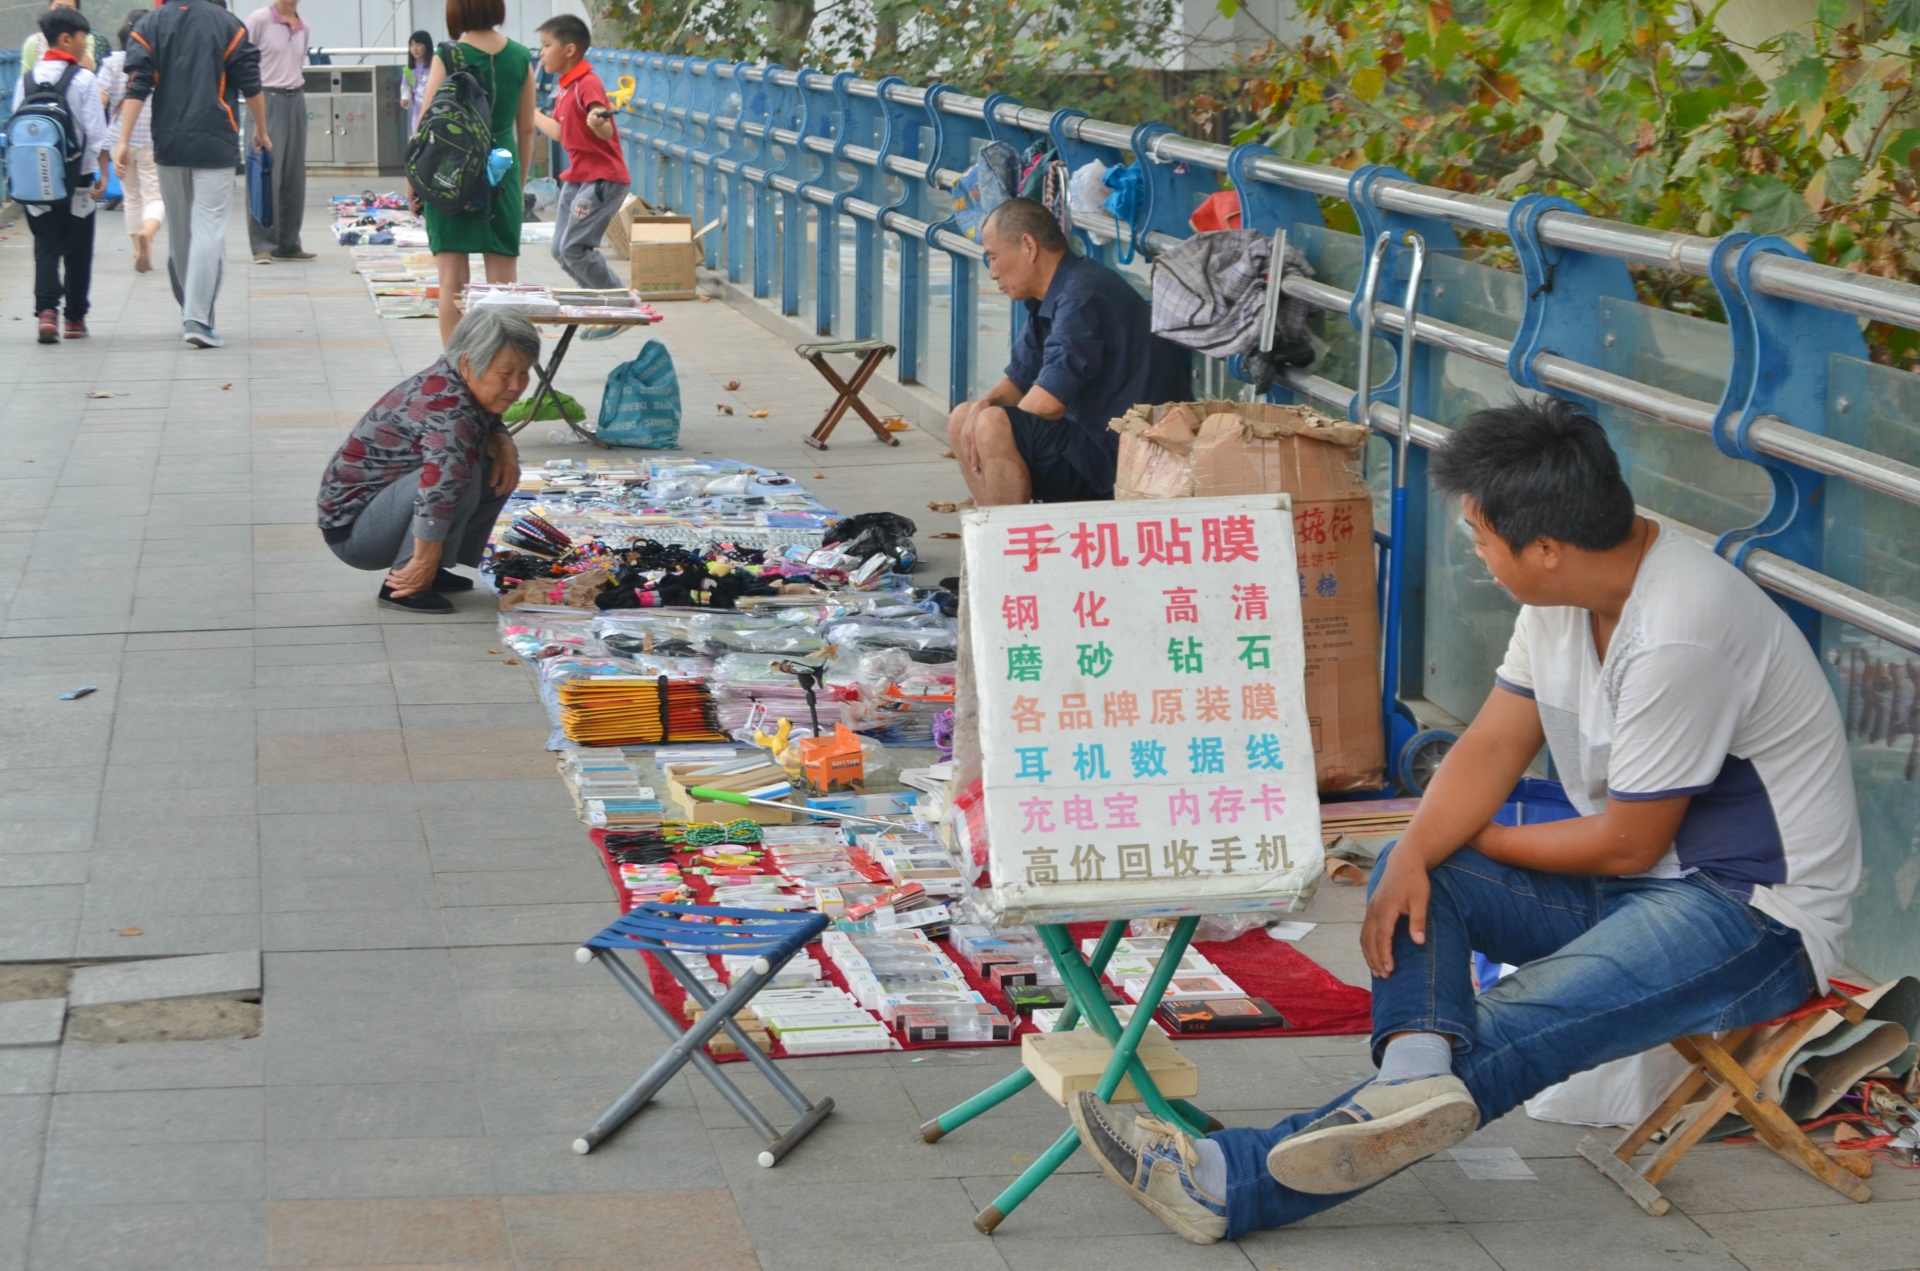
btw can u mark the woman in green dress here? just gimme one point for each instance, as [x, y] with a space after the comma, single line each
[504, 69]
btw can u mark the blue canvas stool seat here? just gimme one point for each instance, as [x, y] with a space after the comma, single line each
[670, 932]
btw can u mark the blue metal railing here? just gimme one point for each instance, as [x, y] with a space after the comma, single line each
[1769, 436]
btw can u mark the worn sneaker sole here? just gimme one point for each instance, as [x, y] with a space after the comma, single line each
[1176, 1222]
[1349, 1157]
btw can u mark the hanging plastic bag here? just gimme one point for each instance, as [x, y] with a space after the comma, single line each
[1087, 196]
[641, 404]
[992, 180]
[1129, 197]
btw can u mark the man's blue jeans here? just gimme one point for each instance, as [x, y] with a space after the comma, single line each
[1609, 967]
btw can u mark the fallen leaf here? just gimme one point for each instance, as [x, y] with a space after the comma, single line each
[943, 507]
[733, 386]
[496, 650]
[946, 454]
[818, 476]
[129, 931]
[224, 387]
[896, 424]
[723, 408]
[946, 534]
[103, 393]
[511, 662]
[757, 414]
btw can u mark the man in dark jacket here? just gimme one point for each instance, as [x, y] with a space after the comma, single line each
[189, 56]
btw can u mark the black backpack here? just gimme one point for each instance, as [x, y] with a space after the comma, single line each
[447, 158]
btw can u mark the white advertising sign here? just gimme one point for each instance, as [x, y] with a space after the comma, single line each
[1143, 724]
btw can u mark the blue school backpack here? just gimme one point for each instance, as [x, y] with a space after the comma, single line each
[43, 149]
[641, 404]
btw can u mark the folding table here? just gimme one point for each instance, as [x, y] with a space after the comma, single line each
[1081, 978]
[552, 367]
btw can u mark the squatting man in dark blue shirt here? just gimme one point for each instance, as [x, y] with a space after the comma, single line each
[1085, 357]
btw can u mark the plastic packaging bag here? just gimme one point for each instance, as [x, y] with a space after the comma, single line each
[1087, 196]
[641, 404]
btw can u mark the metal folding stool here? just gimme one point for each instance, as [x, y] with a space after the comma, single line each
[872, 354]
[669, 931]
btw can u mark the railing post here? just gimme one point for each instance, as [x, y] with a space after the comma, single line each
[1782, 352]
[781, 113]
[748, 99]
[1077, 154]
[826, 232]
[861, 123]
[1564, 289]
[902, 140]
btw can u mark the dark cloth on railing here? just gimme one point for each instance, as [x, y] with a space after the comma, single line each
[1210, 293]
[1090, 343]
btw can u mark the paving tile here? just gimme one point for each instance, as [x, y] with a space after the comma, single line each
[1566, 1187]
[662, 1149]
[1637, 1243]
[117, 1118]
[229, 1236]
[41, 869]
[379, 795]
[525, 924]
[413, 1110]
[1877, 1236]
[152, 1173]
[419, 927]
[28, 1069]
[210, 975]
[563, 1106]
[166, 935]
[633, 1229]
[418, 1230]
[787, 1210]
[340, 1169]
[160, 1065]
[586, 882]
[16, 1229]
[35, 1022]
[292, 976]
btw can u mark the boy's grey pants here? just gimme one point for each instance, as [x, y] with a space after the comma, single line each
[580, 220]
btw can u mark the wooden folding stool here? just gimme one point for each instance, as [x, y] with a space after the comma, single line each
[1717, 1084]
[872, 353]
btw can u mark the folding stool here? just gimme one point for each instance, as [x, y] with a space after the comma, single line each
[873, 353]
[1719, 1083]
[669, 931]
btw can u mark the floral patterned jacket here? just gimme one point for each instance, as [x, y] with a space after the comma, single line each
[428, 424]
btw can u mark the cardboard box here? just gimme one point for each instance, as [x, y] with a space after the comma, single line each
[692, 809]
[1206, 449]
[662, 256]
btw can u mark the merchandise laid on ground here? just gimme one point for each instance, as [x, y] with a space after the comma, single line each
[730, 669]
[388, 244]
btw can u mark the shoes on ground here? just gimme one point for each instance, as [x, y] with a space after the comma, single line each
[49, 327]
[447, 580]
[142, 254]
[263, 258]
[1380, 1129]
[1154, 1163]
[202, 337]
[76, 329]
[293, 255]
[418, 602]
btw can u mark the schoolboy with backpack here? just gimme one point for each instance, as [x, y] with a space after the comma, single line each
[56, 150]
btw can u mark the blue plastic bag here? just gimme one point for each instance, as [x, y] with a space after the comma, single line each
[260, 186]
[641, 404]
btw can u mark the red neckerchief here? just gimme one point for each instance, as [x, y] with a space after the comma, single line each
[55, 55]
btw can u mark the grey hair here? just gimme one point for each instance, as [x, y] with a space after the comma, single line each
[485, 331]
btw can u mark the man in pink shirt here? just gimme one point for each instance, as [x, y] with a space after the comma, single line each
[280, 35]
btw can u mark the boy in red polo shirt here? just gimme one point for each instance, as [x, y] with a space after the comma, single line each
[595, 183]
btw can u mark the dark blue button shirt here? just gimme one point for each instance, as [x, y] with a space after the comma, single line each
[1090, 343]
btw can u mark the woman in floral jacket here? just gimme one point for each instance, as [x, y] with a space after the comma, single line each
[431, 465]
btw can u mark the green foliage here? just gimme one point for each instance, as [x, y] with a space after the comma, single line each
[1085, 54]
[1633, 108]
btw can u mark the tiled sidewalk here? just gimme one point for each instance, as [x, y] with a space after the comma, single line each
[272, 762]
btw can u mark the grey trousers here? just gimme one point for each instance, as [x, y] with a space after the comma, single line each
[382, 535]
[287, 125]
[580, 221]
[199, 202]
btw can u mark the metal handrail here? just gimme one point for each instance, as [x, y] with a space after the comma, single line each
[1803, 281]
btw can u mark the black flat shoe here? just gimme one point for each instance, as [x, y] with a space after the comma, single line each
[418, 602]
[447, 580]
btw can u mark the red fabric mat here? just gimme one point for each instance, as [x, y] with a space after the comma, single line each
[1313, 1000]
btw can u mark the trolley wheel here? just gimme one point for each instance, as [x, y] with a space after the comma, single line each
[1420, 758]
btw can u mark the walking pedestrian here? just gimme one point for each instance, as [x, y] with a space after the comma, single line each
[280, 35]
[140, 179]
[36, 45]
[186, 58]
[595, 184]
[413, 81]
[503, 68]
[63, 230]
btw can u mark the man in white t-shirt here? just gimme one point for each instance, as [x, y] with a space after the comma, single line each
[1706, 884]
